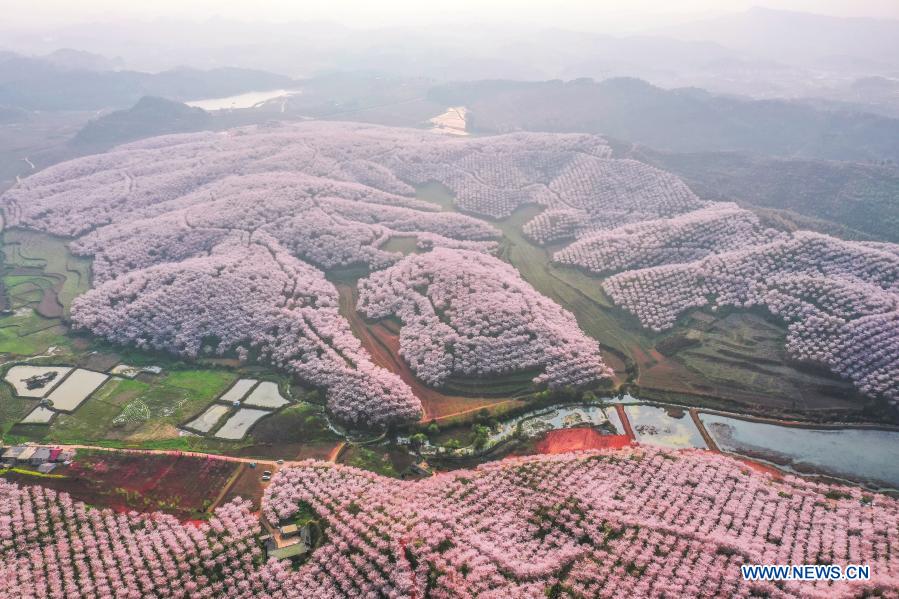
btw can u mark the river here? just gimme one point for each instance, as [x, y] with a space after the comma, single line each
[869, 456]
[861, 455]
[247, 100]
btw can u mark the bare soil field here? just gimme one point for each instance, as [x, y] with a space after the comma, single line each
[179, 485]
[579, 439]
[247, 485]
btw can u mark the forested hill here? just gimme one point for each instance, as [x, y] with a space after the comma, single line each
[150, 116]
[681, 120]
[862, 199]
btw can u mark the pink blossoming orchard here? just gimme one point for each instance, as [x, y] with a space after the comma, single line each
[227, 245]
[332, 194]
[469, 313]
[595, 524]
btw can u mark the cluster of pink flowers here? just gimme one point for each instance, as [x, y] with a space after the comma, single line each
[469, 313]
[494, 176]
[686, 237]
[328, 223]
[640, 523]
[555, 225]
[251, 297]
[54, 547]
[840, 299]
[190, 237]
[617, 192]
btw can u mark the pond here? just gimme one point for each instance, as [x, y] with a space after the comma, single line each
[266, 395]
[666, 427]
[237, 425]
[535, 423]
[35, 381]
[208, 419]
[238, 390]
[75, 389]
[862, 455]
[39, 415]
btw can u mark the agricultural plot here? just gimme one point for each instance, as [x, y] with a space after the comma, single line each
[239, 423]
[141, 412]
[264, 397]
[39, 415]
[61, 389]
[76, 388]
[35, 381]
[238, 390]
[41, 272]
[206, 421]
[26, 333]
[40, 278]
[182, 486]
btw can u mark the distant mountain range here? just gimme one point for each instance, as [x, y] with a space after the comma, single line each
[9, 114]
[680, 120]
[819, 41]
[67, 58]
[760, 53]
[77, 81]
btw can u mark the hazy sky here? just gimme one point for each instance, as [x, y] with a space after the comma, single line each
[599, 15]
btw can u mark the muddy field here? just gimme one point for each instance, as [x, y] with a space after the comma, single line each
[182, 486]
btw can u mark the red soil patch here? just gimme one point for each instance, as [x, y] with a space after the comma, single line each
[578, 439]
[248, 485]
[179, 485]
[762, 468]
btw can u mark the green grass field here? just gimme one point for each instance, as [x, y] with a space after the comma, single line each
[40, 280]
[70, 275]
[140, 413]
[376, 459]
[300, 423]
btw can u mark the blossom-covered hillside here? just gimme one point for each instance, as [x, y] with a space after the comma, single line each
[609, 523]
[840, 298]
[467, 313]
[334, 194]
[250, 295]
[215, 243]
